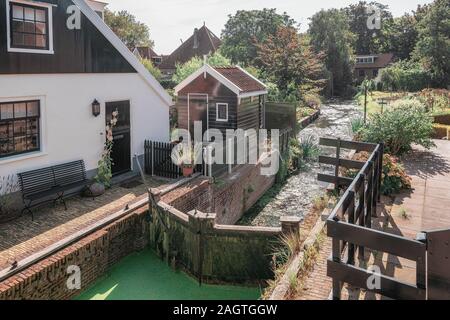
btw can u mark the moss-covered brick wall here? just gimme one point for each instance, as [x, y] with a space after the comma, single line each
[94, 255]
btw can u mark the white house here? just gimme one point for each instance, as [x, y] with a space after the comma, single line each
[57, 59]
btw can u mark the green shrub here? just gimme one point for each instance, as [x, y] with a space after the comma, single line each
[152, 69]
[310, 147]
[405, 76]
[283, 171]
[394, 177]
[402, 125]
[357, 125]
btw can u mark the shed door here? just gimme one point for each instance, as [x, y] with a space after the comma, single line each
[121, 151]
[198, 111]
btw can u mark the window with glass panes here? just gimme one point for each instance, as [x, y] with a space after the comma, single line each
[28, 26]
[19, 127]
[222, 111]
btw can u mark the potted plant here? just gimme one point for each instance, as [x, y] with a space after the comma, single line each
[102, 180]
[185, 156]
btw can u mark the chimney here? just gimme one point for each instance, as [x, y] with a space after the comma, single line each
[195, 38]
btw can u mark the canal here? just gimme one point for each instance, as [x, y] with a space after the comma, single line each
[144, 276]
[297, 195]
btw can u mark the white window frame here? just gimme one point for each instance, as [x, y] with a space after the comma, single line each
[217, 112]
[48, 7]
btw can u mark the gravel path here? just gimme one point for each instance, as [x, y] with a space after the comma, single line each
[297, 195]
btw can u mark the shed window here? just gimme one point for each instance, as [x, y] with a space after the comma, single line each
[222, 112]
[19, 127]
[29, 28]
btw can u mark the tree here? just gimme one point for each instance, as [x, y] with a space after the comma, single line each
[402, 34]
[290, 62]
[330, 34]
[185, 70]
[433, 45]
[133, 33]
[247, 28]
[152, 69]
[368, 40]
[402, 37]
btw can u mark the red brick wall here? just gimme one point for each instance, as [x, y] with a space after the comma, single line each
[194, 195]
[93, 254]
[240, 193]
[229, 199]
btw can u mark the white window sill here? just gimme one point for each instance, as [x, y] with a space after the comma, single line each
[37, 51]
[21, 157]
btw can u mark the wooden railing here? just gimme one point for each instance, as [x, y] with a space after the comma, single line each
[350, 227]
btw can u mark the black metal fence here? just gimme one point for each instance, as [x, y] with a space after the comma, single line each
[350, 227]
[158, 161]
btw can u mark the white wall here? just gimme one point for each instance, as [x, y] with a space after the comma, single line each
[69, 131]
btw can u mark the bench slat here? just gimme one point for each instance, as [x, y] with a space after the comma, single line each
[50, 180]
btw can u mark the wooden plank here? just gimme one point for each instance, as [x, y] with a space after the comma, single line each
[390, 287]
[349, 164]
[341, 181]
[351, 220]
[358, 146]
[376, 240]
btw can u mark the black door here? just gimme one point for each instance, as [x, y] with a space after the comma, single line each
[121, 151]
[198, 111]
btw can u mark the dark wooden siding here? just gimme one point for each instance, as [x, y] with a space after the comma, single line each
[217, 93]
[249, 113]
[76, 51]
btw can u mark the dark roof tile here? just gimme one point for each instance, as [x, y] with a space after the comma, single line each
[207, 42]
[240, 79]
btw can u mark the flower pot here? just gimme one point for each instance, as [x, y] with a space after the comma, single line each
[188, 171]
[95, 190]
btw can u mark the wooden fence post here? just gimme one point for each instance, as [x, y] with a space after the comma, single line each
[351, 220]
[336, 169]
[362, 218]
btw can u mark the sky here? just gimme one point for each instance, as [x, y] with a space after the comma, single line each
[172, 20]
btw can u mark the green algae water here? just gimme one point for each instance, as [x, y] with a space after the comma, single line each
[144, 276]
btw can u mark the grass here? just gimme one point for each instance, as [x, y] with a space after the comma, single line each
[320, 203]
[404, 214]
[375, 97]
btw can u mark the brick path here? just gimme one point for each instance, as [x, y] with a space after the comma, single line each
[427, 206]
[23, 237]
[424, 208]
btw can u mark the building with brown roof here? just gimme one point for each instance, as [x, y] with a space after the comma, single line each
[202, 42]
[148, 54]
[369, 66]
[221, 98]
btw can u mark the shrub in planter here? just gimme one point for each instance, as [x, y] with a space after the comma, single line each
[441, 131]
[186, 156]
[394, 178]
[442, 119]
[406, 123]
